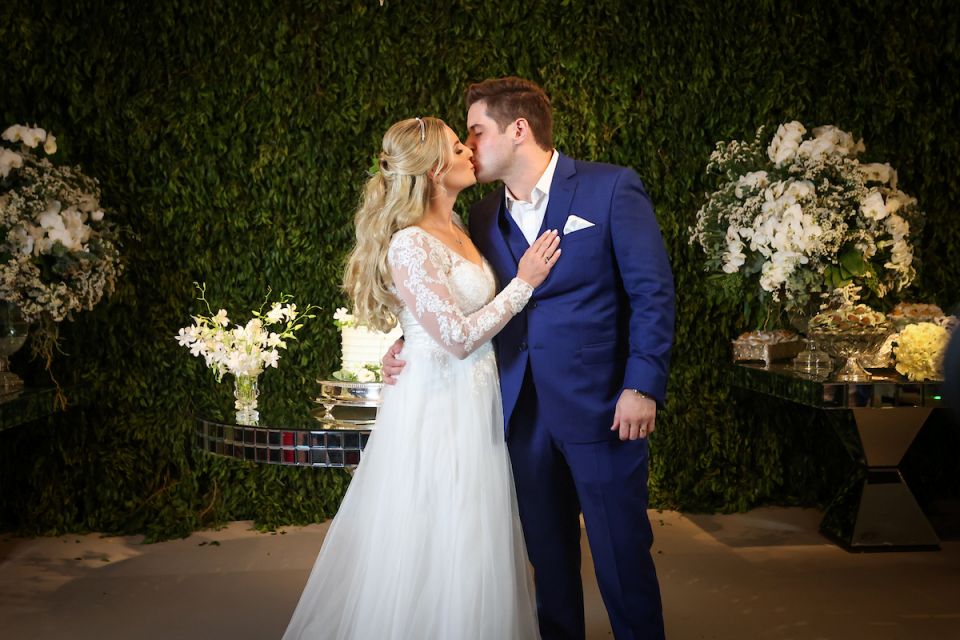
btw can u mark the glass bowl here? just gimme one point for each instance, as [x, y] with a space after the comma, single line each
[849, 345]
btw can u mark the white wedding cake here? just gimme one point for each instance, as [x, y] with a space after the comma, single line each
[362, 348]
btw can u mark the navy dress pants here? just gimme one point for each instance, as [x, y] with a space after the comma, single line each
[607, 481]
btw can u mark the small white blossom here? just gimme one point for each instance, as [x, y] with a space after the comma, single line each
[276, 313]
[877, 172]
[270, 358]
[873, 206]
[29, 136]
[9, 160]
[839, 139]
[786, 142]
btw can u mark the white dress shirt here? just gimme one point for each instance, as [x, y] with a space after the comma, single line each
[529, 215]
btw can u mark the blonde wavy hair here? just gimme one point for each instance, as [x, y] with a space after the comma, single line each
[396, 197]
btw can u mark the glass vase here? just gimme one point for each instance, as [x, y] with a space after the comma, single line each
[245, 391]
[13, 333]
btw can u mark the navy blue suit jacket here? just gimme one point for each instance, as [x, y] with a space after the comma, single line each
[603, 320]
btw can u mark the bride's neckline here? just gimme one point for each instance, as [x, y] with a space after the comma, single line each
[479, 265]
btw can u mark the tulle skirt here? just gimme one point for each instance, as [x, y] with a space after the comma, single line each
[427, 542]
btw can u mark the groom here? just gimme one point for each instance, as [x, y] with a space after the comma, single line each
[583, 367]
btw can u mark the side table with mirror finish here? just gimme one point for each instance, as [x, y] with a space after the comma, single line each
[875, 509]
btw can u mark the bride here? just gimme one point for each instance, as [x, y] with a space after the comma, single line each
[427, 542]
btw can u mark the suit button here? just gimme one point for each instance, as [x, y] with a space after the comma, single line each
[523, 346]
[533, 305]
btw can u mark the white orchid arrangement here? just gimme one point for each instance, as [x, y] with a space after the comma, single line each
[800, 214]
[246, 349]
[58, 251]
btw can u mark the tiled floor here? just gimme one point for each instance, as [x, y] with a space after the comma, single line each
[762, 574]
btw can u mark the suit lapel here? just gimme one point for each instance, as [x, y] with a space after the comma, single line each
[562, 188]
[497, 249]
[511, 233]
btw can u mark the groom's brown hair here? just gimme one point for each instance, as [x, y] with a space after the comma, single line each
[510, 98]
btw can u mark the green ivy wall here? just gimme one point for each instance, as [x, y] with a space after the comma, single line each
[232, 138]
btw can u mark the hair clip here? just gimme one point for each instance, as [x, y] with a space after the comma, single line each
[423, 129]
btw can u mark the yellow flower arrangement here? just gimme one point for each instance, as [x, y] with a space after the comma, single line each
[920, 349]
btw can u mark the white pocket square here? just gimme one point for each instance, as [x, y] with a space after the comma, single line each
[575, 223]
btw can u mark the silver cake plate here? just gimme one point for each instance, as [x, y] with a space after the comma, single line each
[362, 394]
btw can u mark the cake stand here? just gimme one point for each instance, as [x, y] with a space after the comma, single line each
[348, 405]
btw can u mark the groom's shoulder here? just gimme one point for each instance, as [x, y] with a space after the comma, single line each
[604, 174]
[591, 169]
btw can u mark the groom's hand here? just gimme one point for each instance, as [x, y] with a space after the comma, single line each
[635, 416]
[391, 365]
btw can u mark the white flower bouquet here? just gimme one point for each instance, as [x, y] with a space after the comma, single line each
[58, 250]
[246, 349]
[798, 215]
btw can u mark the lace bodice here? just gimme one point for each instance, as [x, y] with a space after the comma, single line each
[448, 297]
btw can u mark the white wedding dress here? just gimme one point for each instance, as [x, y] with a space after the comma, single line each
[427, 542]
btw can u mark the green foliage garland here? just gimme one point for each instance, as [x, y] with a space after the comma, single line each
[232, 138]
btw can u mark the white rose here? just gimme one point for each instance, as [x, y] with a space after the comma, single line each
[365, 375]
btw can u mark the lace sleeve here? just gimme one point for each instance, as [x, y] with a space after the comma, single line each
[421, 283]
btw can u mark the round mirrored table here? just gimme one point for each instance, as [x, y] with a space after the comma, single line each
[333, 434]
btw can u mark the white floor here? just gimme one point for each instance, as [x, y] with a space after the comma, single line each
[762, 574]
